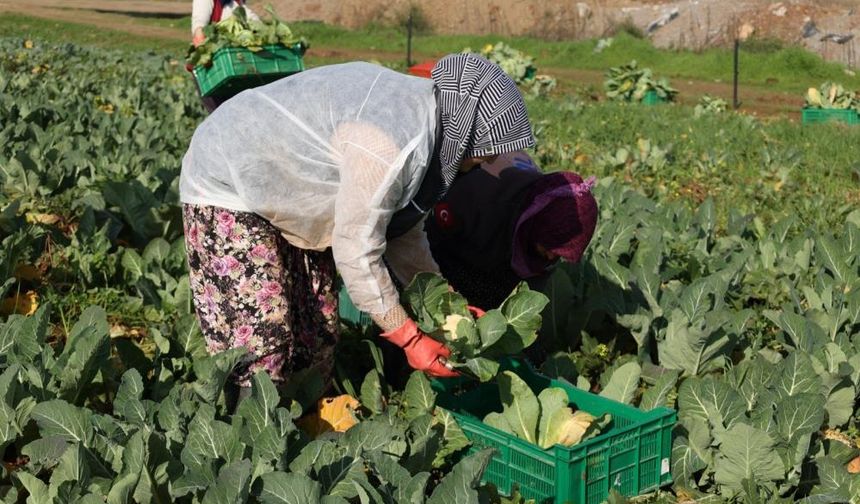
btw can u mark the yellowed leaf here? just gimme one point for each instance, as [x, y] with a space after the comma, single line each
[119, 330]
[854, 466]
[684, 496]
[41, 218]
[836, 435]
[814, 97]
[335, 414]
[339, 412]
[574, 428]
[23, 304]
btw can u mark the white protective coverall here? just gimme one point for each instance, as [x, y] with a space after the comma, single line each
[327, 156]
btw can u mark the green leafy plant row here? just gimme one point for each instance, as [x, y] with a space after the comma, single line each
[752, 334]
[740, 310]
[85, 432]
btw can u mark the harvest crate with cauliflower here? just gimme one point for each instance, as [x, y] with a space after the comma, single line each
[831, 102]
[554, 442]
[240, 53]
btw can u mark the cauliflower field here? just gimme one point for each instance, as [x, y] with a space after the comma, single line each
[723, 281]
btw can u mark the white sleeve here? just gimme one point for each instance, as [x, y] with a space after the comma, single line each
[409, 254]
[201, 12]
[371, 184]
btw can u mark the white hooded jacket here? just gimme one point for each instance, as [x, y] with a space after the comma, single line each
[327, 156]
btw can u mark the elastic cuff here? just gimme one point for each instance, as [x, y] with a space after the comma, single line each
[391, 320]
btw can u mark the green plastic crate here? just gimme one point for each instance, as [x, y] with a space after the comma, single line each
[652, 98]
[235, 69]
[633, 455]
[813, 116]
[349, 313]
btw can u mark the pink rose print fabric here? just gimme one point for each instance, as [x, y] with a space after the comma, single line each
[252, 289]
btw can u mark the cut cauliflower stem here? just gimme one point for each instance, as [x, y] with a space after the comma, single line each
[575, 427]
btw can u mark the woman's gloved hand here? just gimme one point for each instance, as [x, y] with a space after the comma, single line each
[198, 37]
[476, 312]
[422, 352]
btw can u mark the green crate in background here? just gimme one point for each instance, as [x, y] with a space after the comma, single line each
[235, 69]
[632, 456]
[815, 115]
[349, 313]
[652, 98]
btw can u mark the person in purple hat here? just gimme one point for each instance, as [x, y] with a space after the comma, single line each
[506, 222]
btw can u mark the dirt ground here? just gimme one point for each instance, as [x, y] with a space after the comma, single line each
[124, 15]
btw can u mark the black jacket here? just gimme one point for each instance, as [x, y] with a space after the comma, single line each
[471, 230]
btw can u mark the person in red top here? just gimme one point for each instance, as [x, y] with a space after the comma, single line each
[204, 12]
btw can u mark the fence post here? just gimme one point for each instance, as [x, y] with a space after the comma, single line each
[735, 101]
[409, 39]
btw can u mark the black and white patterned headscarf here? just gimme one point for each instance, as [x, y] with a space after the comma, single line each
[482, 111]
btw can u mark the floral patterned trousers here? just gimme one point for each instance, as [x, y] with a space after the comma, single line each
[252, 289]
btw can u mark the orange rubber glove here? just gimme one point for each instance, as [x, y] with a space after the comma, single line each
[476, 312]
[422, 352]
